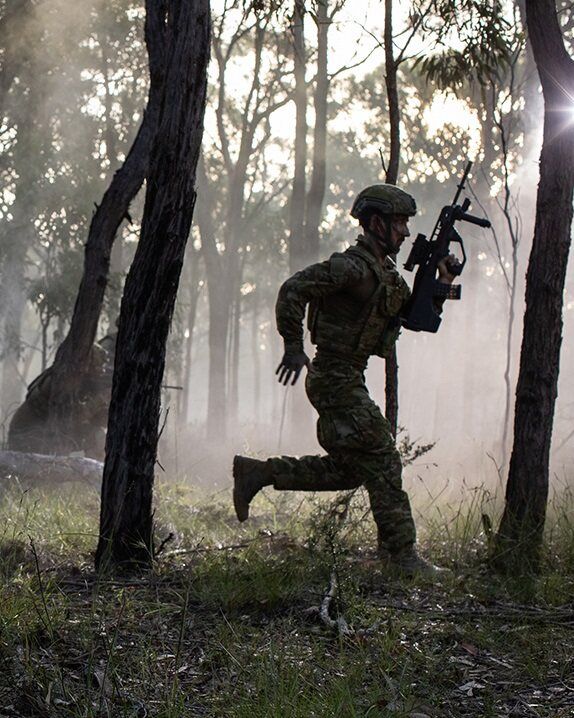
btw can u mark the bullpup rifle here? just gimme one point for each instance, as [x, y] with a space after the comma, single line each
[422, 313]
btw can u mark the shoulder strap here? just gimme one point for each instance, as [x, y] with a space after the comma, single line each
[369, 258]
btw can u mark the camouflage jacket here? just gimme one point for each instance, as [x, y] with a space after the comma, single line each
[354, 305]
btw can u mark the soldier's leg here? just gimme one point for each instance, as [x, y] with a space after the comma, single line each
[288, 473]
[335, 471]
[395, 525]
[374, 459]
[389, 503]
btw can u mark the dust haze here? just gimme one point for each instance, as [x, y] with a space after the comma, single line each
[451, 385]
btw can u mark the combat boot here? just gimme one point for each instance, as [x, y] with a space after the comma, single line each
[409, 564]
[250, 476]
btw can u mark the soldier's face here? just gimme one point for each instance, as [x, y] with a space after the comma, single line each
[399, 230]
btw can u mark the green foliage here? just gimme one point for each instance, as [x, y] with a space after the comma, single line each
[483, 45]
[77, 91]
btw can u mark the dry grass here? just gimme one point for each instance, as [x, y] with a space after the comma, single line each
[225, 624]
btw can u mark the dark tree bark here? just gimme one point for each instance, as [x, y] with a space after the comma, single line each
[392, 173]
[126, 532]
[73, 355]
[517, 546]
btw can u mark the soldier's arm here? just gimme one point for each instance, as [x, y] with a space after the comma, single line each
[313, 282]
[393, 329]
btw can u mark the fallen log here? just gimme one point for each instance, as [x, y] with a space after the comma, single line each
[44, 469]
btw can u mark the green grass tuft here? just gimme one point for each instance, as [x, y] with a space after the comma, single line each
[227, 625]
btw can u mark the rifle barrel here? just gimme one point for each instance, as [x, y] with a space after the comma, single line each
[456, 196]
[463, 180]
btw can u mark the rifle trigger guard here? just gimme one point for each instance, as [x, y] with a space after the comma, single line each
[455, 238]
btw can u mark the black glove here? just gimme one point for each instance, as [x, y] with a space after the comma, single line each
[448, 268]
[291, 365]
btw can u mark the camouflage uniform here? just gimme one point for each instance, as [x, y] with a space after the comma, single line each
[351, 428]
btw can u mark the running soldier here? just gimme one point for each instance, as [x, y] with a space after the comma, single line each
[355, 300]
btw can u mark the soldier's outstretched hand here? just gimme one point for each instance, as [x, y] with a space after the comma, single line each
[291, 366]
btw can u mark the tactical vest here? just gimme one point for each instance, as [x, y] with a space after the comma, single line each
[341, 325]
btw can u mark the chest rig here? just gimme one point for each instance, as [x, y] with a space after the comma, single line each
[342, 324]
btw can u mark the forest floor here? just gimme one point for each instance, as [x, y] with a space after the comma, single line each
[228, 623]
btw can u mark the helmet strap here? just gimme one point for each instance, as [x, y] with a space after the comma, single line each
[385, 241]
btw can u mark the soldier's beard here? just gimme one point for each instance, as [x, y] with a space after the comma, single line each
[384, 243]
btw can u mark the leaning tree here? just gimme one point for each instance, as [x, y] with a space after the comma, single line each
[59, 422]
[73, 356]
[126, 527]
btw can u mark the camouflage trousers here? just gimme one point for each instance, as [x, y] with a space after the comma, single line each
[360, 451]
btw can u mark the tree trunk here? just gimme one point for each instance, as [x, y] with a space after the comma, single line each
[13, 386]
[195, 289]
[509, 334]
[532, 110]
[519, 537]
[256, 359]
[297, 254]
[392, 174]
[225, 271]
[73, 355]
[19, 236]
[234, 360]
[126, 532]
[316, 193]
[218, 314]
[116, 252]
[507, 370]
[217, 382]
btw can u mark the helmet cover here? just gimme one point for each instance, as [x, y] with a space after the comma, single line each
[387, 199]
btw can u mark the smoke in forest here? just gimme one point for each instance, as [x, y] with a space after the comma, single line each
[70, 112]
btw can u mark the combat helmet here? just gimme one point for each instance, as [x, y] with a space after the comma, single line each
[386, 199]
